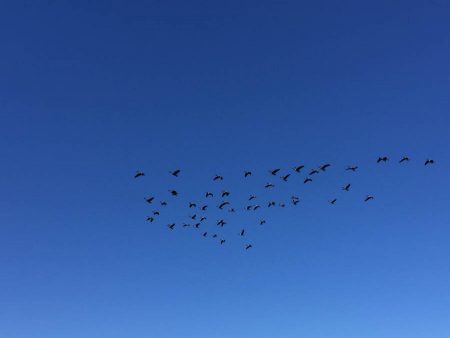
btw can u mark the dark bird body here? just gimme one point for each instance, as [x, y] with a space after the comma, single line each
[346, 187]
[428, 161]
[139, 174]
[175, 172]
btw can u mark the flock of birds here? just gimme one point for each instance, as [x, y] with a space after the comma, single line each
[197, 218]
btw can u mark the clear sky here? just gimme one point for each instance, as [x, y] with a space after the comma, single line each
[92, 91]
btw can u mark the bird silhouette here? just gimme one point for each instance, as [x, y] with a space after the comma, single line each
[274, 171]
[231, 210]
[252, 197]
[175, 172]
[295, 202]
[285, 177]
[249, 207]
[269, 185]
[312, 172]
[203, 219]
[324, 167]
[205, 234]
[404, 159]
[171, 226]
[271, 204]
[225, 193]
[163, 203]
[352, 168]
[256, 207]
[186, 225]
[428, 161]
[150, 219]
[333, 201]
[222, 241]
[194, 216]
[298, 168]
[192, 205]
[149, 199]
[223, 204]
[203, 208]
[308, 179]
[247, 174]
[261, 222]
[242, 232]
[282, 205]
[214, 236]
[173, 192]
[217, 178]
[209, 194]
[248, 246]
[346, 187]
[155, 213]
[368, 198]
[197, 225]
[139, 174]
[382, 159]
[221, 223]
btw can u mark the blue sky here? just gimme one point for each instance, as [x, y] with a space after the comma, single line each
[91, 92]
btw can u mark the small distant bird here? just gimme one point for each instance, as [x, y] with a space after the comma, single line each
[231, 210]
[298, 168]
[221, 223]
[282, 205]
[186, 225]
[333, 201]
[308, 179]
[285, 177]
[225, 193]
[269, 185]
[314, 171]
[204, 207]
[171, 226]
[248, 246]
[274, 171]
[242, 232]
[256, 207]
[271, 204]
[192, 205]
[295, 202]
[205, 234]
[347, 187]
[150, 219]
[247, 174]
[149, 199]
[428, 161]
[249, 207]
[139, 174]
[404, 159]
[173, 192]
[295, 198]
[194, 216]
[324, 167]
[352, 168]
[202, 219]
[163, 203]
[175, 172]
[214, 236]
[209, 194]
[252, 197]
[217, 178]
[368, 198]
[197, 225]
[155, 213]
[222, 241]
[383, 159]
[223, 204]
[261, 222]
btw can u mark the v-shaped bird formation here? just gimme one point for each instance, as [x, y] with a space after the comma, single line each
[198, 210]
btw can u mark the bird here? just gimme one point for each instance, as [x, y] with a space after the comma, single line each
[225, 193]
[150, 219]
[308, 179]
[192, 205]
[295, 197]
[186, 225]
[261, 222]
[155, 213]
[205, 234]
[314, 171]
[197, 225]
[248, 246]
[285, 177]
[204, 207]
[404, 159]
[175, 172]
[295, 202]
[194, 216]
[352, 168]
[242, 232]
[214, 236]
[269, 185]
[222, 241]
[139, 174]
[249, 207]
[223, 204]
[247, 174]
[217, 178]
[221, 222]
[282, 205]
[171, 226]
[231, 210]
[149, 199]
[271, 204]
[324, 167]
[209, 194]
[252, 197]
[173, 192]
[368, 198]
[428, 161]
[202, 219]
[298, 168]
[333, 201]
[163, 203]
[274, 171]
[382, 159]
[346, 187]
[256, 207]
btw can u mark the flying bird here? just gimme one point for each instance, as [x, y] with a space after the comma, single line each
[205, 234]
[308, 179]
[352, 168]
[428, 161]
[186, 225]
[194, 216]
[171, 226]
[383, 159]
[231, 210]
[197, 225]
[163, 203]
[248, 246]
[242, 232]
[249, 207]
[149, 199]
[295, 202]
[282, 205]
[298, 168]
[223, 204]
[333, 201]
[404, 159]
[214, 236]
[247, 174]
[225, 193]
[261, 222]
[217, 178]
[269, 185]
[256, 207]
[150, 219]
[209, 194]
[346, 187]
[274, 171]
[173, 192]
[155, 213]
[175, 172]
[221, 223]
[222, 241]
[314, 171]
[204, 207]
[252, 197]
[202, 219]
[285, 177]
[324, 167]
[139, 174]
[271, 204]
[192, 205]
[368, 198]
